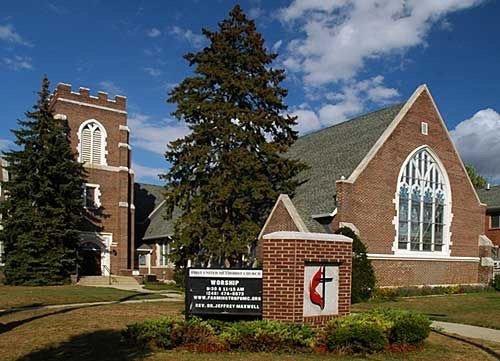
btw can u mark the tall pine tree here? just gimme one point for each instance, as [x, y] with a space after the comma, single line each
[227, 173]
[44, 207]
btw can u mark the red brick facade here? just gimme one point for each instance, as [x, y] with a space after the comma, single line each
[367, 202]
[492, 233]
[283, 260]
[376, 186]
[114, 178]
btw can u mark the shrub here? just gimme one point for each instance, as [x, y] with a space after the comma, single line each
[180, 277]
[268, 336]
[496, 282]
[151, 333]
[392, 294]
[363, 276]
[192, 331]
[375, 330]
[362, 333]
[407, 327]
[356, 334]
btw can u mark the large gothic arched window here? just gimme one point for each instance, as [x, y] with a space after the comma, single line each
[424, 202]
[92, 147]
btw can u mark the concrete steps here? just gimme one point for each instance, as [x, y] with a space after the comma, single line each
[103, 281]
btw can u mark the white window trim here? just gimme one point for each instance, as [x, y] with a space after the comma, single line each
[424, 128]
[158, 255]
[447, 212]
[97, 194]
[104, 144]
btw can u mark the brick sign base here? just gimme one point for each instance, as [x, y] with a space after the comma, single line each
[306, 277]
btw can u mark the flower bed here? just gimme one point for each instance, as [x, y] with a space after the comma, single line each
[363, 333]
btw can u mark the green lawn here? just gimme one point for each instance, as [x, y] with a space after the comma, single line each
[20, 296]
[94, 333]
[158, 286]
[479, 309]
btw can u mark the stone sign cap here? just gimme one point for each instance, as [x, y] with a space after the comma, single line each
[308, 236]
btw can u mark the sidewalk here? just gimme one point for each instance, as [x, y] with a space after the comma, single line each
[482, 333]
[168, 298]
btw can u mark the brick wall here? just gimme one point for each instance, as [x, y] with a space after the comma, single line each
[492, 233]
[283, 259]
[115, 179]
[415, 273]
[376, 186]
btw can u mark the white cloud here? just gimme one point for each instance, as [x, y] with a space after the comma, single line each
[307, 120]
[111, 87]
[146, 173]
[195, 40]
[5, 144]
[255, 12]
[154, 136]
[154, 72]
[18, 62]
[478, 141]
[349, 101]
[276, 46]
[338, 36]
[9, 34]
[154, 32]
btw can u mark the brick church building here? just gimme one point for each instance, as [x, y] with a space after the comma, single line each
[100, 137]
[393, 176]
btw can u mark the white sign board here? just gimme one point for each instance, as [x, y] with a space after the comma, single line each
[321, 290]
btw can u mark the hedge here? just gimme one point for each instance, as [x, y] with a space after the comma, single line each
[362, 333]
[392, 294]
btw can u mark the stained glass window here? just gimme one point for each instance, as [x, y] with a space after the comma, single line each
[421, 204]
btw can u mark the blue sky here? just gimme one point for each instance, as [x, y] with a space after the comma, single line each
[343, 57]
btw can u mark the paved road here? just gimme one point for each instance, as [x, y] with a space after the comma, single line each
[468, 331]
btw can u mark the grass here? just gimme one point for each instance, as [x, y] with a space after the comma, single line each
[159, 286]
[93, 333]
[478, 309]
[21, 296]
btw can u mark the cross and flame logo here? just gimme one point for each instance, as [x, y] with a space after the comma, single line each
[319, 279]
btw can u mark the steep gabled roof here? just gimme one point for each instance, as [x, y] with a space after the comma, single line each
[332, 153]
[491, 197]
[149, 213]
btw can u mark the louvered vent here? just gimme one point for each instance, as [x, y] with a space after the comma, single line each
[92, 144]
[86, 149]
[96, 146]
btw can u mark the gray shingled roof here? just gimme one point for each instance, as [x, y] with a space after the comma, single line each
[149, 197]
[332, 153]
[490, 196]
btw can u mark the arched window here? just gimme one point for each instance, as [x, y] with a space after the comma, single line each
[423, 205]
[92, 147]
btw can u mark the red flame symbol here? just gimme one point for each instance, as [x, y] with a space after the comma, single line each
[318, 278]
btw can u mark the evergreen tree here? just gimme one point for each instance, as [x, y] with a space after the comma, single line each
[478, 181]
[44, 207]
[363, 276]
[226, 175]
